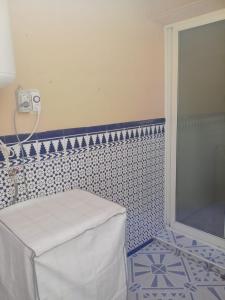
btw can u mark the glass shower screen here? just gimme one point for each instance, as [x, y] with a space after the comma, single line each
[200, 180]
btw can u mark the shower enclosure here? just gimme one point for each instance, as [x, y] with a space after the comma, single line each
[195, 99]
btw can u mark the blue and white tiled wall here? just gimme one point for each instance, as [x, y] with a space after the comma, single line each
[120, 162]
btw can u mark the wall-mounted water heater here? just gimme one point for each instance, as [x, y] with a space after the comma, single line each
[7, 65]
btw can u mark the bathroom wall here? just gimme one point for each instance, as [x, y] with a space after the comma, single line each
[123, 163]
[94, 62]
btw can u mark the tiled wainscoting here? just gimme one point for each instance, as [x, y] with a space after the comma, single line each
[120, 162]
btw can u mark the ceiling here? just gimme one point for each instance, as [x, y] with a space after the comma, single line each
[167, 11]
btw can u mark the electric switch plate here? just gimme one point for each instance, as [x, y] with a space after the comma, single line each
[24, 103]
[28, 100]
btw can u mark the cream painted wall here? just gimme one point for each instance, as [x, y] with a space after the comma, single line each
[94, 61]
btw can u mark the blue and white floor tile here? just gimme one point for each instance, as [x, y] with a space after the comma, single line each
[201, 250]
[156, 272]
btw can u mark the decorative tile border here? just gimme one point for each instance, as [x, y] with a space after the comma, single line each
[123, 163]
[51, 144]
[214, 257]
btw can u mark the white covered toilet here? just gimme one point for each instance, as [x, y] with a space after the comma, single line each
[68, 246]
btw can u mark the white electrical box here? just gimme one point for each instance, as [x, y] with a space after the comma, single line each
[28, 100]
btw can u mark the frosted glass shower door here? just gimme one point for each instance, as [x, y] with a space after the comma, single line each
[200, 137]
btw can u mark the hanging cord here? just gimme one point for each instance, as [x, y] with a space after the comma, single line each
[8, 152]
[20, 143]
[23, 171]
[12, 174]
[32, 132]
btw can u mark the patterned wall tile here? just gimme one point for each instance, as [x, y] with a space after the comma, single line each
[124, 165]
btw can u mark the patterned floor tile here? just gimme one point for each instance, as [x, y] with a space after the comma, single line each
[213, 255]
[175, 294]
[135, 292]
[213, 293]
[199, 272]
[156, 272]
[156, 247]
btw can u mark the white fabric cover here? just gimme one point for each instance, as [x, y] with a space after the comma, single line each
[68, 246]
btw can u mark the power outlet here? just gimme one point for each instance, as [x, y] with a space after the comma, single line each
[36, 100]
